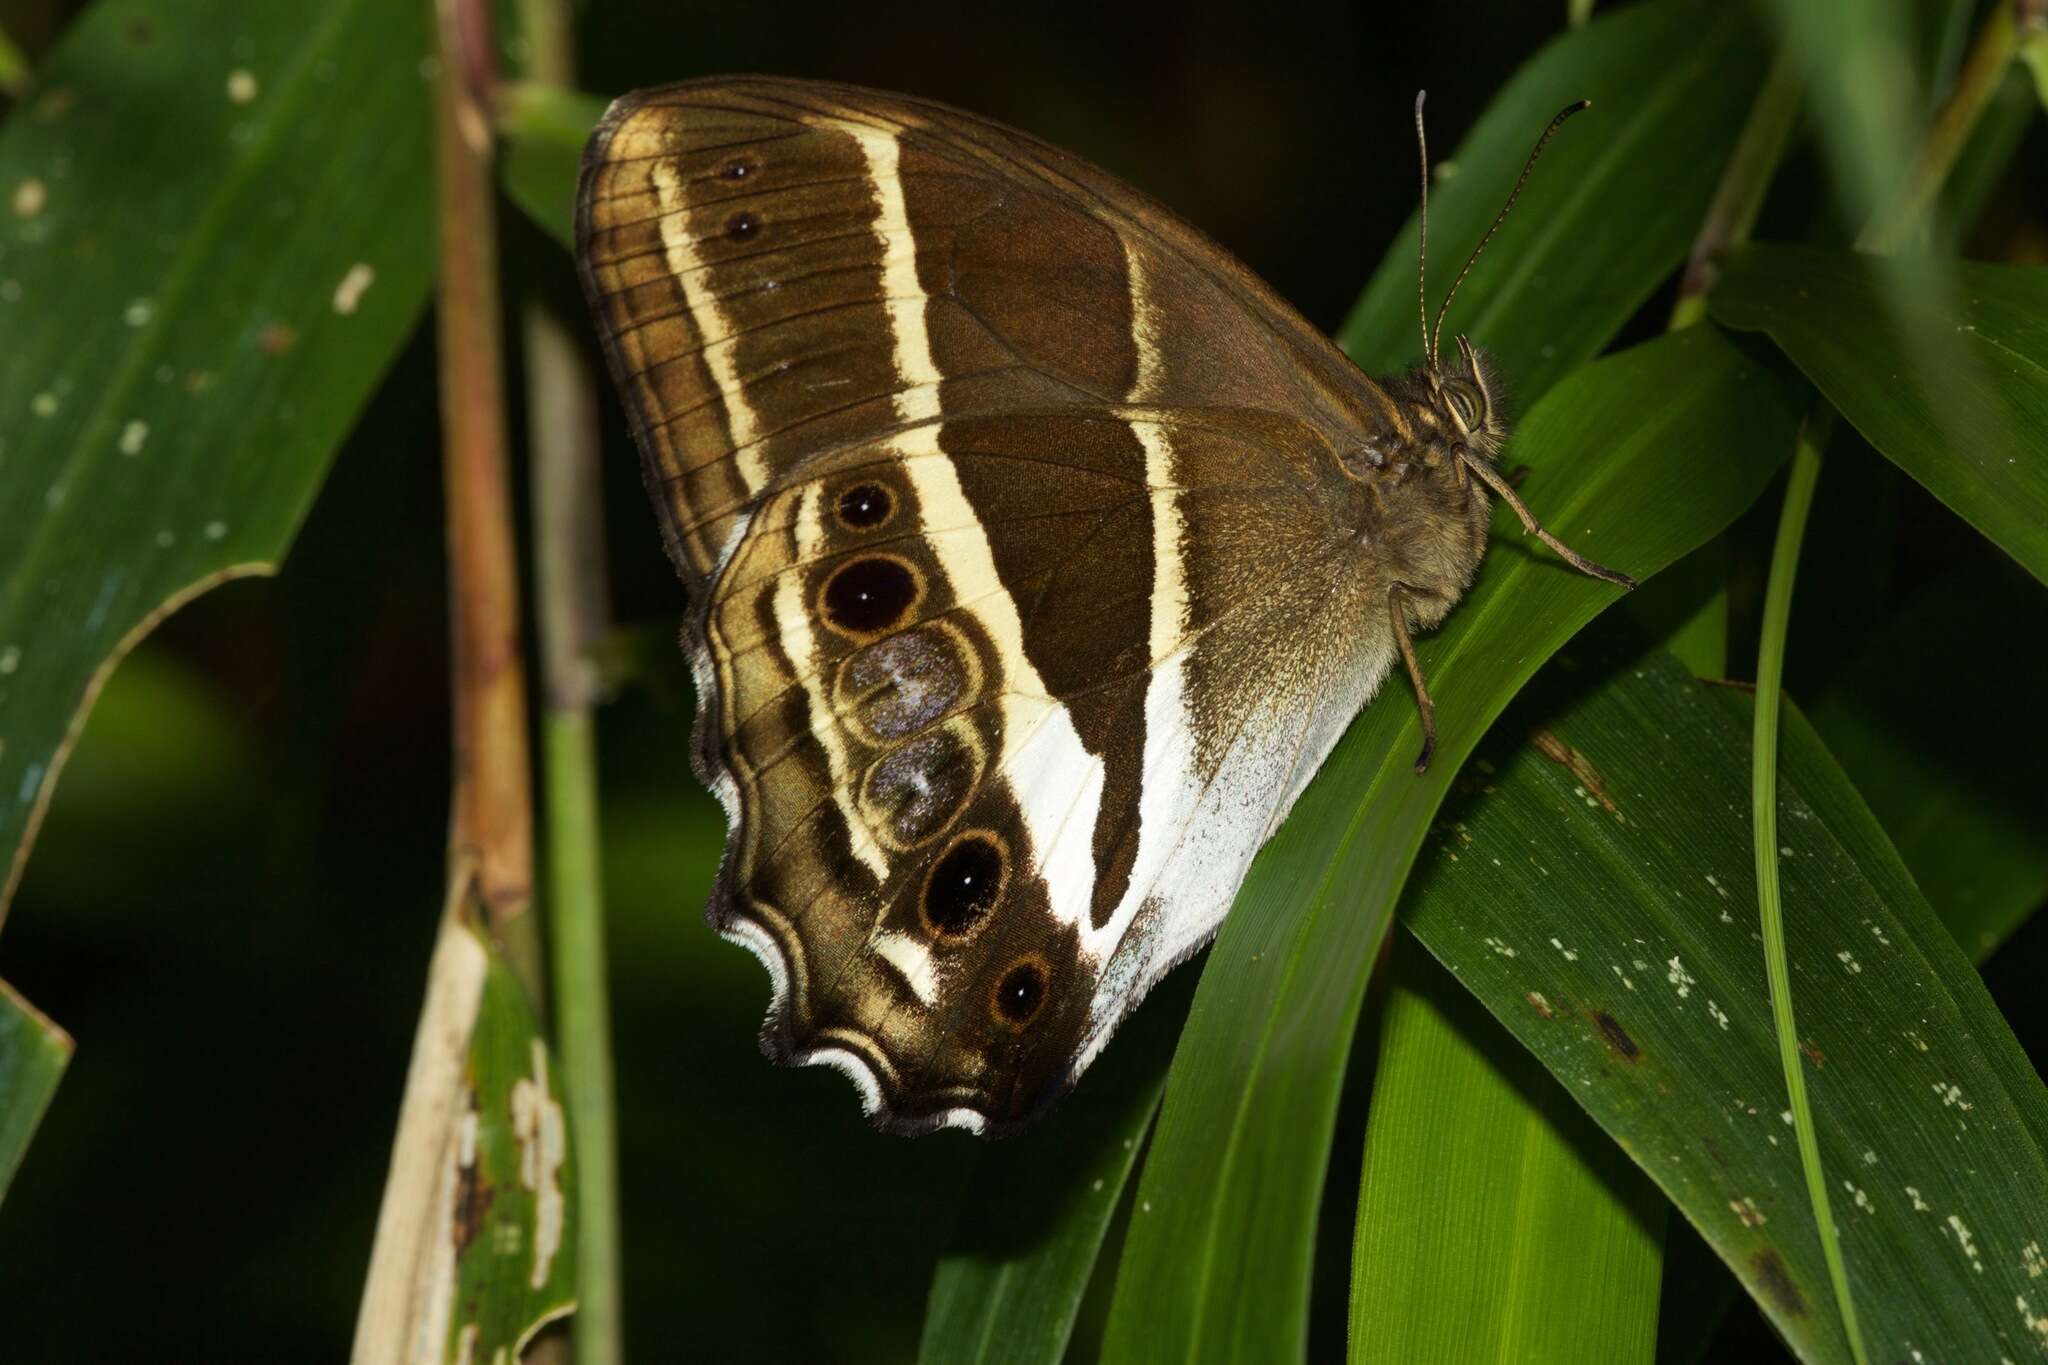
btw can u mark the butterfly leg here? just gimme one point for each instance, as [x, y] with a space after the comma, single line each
[1492, 479]
[1399, 619]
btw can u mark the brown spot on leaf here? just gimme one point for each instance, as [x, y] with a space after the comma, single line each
[1616, 1037]
[473, 1196]
[1774, 1282]
[1813, 1053]
[1576, 763]
[1541, 1006]
[276, 339]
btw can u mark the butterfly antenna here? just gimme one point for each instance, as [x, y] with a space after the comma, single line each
[1422, 244]
[1500, 217]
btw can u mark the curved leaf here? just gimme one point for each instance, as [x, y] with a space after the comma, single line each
[210, 258]
[1218, 1259]
[1595, 890]
[1941, 365]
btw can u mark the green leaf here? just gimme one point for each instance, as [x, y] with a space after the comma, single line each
[33, 1053]
[1478, 1168]
[544, 128]
[1970, 823]
[1670, 84]
[1219, 1262]
[1594, 890]
[514, 1209]
[1012, 1279]
[1941, 365]
[210, 257]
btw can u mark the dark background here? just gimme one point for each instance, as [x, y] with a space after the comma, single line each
[233, 898]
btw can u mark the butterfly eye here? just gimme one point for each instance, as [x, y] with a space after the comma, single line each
[1463, 403]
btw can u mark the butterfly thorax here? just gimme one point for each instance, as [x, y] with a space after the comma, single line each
[1426, 515]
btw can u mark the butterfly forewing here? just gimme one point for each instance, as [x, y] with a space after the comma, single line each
[1025, 602]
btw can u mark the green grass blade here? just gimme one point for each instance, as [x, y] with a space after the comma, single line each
[1941, 365]
[1603, 220]
[1479, 1167]
[1770, 680]
[33, 1053]
[219, 236]
[1219, 1262]
[1971, 824]
[1590, 890]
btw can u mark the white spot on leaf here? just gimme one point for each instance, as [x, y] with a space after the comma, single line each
[29, 198]
[349, 293]
[242, 85]
[1965, 1242]
[543, 1138]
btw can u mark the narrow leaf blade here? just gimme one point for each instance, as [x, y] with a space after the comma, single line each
[1479, 1167]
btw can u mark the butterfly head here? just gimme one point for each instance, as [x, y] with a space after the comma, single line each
[1466, 403]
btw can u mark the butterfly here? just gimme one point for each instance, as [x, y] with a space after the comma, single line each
[1037, 555]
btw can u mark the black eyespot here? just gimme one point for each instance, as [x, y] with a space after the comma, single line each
[1021, 991]
[870, 595]
[865, 506]
[964, 885]
[737, 170]
[741, 226]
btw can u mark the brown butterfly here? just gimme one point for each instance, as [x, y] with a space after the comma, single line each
[1037, 553]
